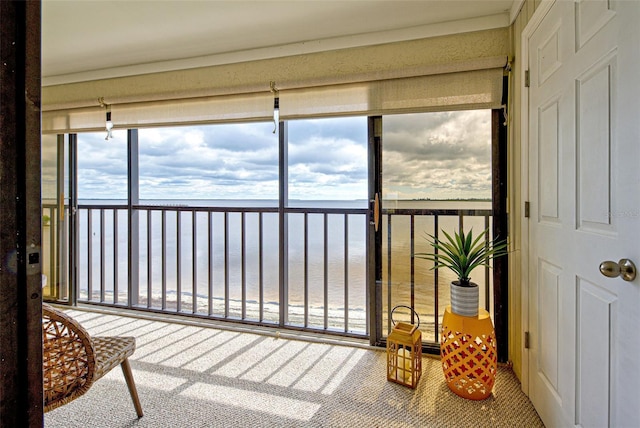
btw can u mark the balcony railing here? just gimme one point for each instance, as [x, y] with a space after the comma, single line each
[410, 281]
[226, 263]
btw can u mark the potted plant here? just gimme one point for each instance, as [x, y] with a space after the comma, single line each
[462, 253]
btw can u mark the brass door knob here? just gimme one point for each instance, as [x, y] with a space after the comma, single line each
[624, 269]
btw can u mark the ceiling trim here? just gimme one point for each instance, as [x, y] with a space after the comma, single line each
[337, 43]
[515, 10]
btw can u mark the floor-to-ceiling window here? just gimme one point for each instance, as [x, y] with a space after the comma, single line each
[207, 214]
[238, 222]
[209, 222]
[436, 175]
[326, 201]
[102, 192]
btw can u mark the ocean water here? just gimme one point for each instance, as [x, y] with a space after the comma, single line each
[216, 244]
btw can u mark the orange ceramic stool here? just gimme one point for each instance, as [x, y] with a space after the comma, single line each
[468, 354]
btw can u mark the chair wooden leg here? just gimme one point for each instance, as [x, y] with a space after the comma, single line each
[126, 370]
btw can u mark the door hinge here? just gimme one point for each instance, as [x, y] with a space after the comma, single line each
[526, 340]
[527, 82]
[527, 209]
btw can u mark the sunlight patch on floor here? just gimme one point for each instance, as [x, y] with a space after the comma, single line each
[274, 363]
[297, 365]
[242, 362]
[158, 381]
[343, 372]
[222, 346]
[330, 370]
[255, 401]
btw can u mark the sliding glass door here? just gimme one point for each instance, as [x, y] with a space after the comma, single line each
[326, 213]
[434, 174]
[55, 224]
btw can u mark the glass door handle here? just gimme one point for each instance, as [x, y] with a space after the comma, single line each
[375, 212]
[61, 207]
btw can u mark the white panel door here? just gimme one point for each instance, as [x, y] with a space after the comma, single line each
[584, 190]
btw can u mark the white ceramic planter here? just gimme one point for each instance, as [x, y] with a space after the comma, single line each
[465, 300]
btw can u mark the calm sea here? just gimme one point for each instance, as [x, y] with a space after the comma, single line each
[216, 245]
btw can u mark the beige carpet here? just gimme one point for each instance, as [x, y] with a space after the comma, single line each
[198, 376]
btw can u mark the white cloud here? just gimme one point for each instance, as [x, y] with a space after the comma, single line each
[435, 155]
[438, 155]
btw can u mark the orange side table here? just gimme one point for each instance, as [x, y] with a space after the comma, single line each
[468, 354]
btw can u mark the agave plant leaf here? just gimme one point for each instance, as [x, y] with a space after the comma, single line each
[462, 253]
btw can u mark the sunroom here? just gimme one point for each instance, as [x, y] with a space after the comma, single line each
[274, 174]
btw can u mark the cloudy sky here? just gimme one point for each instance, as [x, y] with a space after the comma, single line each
[431, 155]
[438, 155]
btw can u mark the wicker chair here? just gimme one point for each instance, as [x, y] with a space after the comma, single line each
[73, 360]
